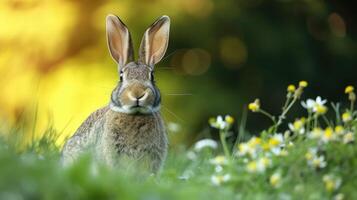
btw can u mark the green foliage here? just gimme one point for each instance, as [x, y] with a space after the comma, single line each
[315, 159]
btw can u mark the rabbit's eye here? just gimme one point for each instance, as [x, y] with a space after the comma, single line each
[121, 75]
[152, 76]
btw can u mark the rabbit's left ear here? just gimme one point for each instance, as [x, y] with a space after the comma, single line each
[155, 41]
[119, 40]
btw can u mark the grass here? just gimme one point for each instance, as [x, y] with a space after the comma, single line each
[315, 159]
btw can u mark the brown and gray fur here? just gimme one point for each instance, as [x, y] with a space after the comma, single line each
[130, 129]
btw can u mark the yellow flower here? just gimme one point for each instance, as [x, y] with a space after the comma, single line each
[303, 84]
[255, 106]
[252, 166]
[346, 117]
[349, 89]
[332, 183]
[254, 141]
[298, 125]
[219, 160]
[275, 179]
[328, 135]
[321, 109]
[291, 88]
[229, 119]
[339, 130]
[309, 156]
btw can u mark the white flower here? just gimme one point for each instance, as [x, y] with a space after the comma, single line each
[219, 160]
[220, 179]
[209, 143]
[251, 147]
[348, 137]
[259, 165]
[173, 127]
[314, 105]
[317, 162]
[316, 133]
[263, 163]
[276, 143]
[218, 168]
[191, 155]
[220, 123]
[309, 104]
[298, 126]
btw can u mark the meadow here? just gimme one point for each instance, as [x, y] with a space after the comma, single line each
[312, 157]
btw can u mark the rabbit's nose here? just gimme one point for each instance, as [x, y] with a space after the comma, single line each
[138, 96]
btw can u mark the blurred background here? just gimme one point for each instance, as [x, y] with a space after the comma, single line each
[55, 68]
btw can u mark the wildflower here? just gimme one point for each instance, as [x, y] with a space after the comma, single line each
[221, 124]
[298, 126]
[328, 135]
[205, 143]
[314, 160]
[251, 147]
[173, 127]
[351, 95]
[276, 140]
[219, 160]
[263, 163]
[339, 196]
[346, 117]
[311, 153]
[275, 179]
[291, 88]
[318, 162]
[218, 168]
[332, 183]
[339, 130]
[255, 106]
[309, 104]
[252, 166]
[349, 89]
[320, 109]
[229, 119]
[316, 106]
[191, 155]
[316, 133]
[220, 179]
[348, 137]
[303, 84]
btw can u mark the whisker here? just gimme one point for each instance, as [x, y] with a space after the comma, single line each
[170, 54]
[178, 94]
[173, 114]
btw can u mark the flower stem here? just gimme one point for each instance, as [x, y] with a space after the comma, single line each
[268, 115]
[222, 136]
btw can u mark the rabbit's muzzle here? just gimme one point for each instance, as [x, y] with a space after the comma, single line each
[137, 98]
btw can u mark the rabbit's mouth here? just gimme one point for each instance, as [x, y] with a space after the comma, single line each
[134, 109]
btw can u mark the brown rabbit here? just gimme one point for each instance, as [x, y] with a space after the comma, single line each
[130, 128]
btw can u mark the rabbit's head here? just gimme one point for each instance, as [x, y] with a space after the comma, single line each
[136, 92]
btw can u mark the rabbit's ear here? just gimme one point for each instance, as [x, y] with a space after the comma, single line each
[119, 40]
[155, 41]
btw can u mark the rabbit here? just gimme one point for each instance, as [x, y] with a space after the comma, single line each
[130, 128]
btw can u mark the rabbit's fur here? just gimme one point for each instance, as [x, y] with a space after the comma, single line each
[130, 128]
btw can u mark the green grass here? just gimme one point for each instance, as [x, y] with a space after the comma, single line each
[34, 172]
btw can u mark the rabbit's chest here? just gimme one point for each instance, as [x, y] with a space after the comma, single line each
[135, 135]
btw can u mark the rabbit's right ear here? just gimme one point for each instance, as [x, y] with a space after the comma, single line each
[154, 43]
[119, 40]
